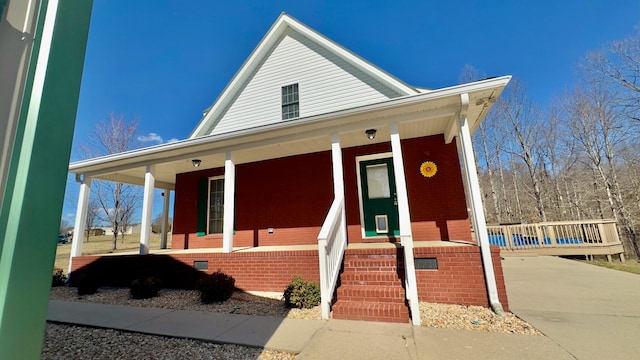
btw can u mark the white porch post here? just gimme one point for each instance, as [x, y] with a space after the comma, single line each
[474, 198]
[81, 219]
[336, 161]
[165, 219]
[229, 203]
[147, 206]
[406, 235]
[338, 177]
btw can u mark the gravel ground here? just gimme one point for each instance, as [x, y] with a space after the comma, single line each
[72, 342]
[64, 342]
[472, 318]
[239, 303]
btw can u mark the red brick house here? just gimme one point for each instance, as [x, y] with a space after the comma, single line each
[312, 161]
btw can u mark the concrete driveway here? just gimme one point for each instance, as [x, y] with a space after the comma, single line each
[590, 311]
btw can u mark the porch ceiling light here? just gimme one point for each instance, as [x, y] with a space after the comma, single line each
[371, 134]
[196, 162]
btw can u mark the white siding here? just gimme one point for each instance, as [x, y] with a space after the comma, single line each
[326, 83]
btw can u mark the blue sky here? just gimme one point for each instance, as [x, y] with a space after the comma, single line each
[164, 62]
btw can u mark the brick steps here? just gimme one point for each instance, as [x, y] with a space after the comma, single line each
[381, 294]
[371, 278]
[367, 311]
[371, 289]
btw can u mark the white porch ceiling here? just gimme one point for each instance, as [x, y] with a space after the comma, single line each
[417, 115]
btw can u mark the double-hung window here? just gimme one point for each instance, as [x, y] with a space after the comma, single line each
[290, 102]
[216, 205]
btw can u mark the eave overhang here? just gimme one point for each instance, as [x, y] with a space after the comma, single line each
[417, 115]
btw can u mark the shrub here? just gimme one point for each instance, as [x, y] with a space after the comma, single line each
[59, 278]
[145, 288]
[216, 287]
[87, 285]
[301, 294]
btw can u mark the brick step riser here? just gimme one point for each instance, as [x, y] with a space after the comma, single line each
[377, 318]
[371, 312]
[371, 279]
[363, 296]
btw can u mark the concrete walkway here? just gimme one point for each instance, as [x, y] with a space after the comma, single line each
[311, 339]
[586, 312]
[289, 335]
[592, 312]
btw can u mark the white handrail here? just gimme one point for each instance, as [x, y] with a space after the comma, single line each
[332, 243]
[411, 284]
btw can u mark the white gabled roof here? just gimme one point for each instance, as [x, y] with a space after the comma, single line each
[283, 24]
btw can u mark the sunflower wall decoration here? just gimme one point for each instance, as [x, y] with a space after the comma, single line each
[428, 169]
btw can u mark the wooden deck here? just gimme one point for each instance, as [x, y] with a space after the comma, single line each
[588, 238]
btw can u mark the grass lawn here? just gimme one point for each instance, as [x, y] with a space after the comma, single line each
[103, 245]
[631, 265]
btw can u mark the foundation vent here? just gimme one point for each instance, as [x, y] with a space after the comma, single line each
[426, 264]
[201, 264]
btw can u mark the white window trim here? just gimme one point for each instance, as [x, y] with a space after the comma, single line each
[209, 203]
[360, 159]
[298, 102]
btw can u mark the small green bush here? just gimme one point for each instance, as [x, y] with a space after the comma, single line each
[145, 288]
[59, 278]
[87, 285]
[301, 294]
[216, 287]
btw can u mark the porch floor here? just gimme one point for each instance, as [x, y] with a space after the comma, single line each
[385, 245]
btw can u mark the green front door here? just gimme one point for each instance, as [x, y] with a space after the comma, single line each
[379, 203]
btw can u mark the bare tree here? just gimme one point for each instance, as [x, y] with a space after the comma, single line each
[469, 74]
[618, 65]
[156, 225]
[601, 132]
[64, 226]
[93, 213]
[117, 200]
[520, 121]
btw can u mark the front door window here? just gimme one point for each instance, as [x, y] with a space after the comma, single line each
[379, 206]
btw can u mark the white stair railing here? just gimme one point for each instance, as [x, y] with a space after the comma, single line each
[332, 243]
[411, 283]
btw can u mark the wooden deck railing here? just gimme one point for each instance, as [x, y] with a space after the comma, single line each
[588, 237]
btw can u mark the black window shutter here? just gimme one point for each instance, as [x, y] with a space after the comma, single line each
[203, 187]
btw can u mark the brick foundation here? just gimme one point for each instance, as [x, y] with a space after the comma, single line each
[258, 271]
[458, 280]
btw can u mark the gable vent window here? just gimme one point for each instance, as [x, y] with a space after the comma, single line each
[290, 103]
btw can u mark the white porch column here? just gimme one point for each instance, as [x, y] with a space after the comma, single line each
[147, 206]
[81, 219]
[338, 177]
[165, 220]
[406, 235]
[474, 199]
[229, 203]
[336, 161]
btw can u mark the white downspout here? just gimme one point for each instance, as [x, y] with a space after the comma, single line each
[474, 199]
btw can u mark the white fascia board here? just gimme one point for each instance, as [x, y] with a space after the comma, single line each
[350, 57]
[248, 66]
[256, 57]
[157, 153]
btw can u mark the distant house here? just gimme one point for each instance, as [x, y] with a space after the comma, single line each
[133, 229]
[313, 161]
